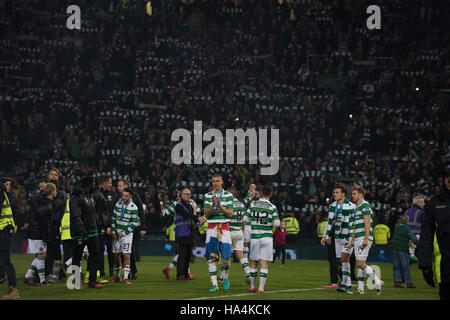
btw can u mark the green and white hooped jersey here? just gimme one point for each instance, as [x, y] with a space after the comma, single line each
[226, 199]
[341, 216]
[261, 213]
[357, 221]
[238, 215]
[125, 218]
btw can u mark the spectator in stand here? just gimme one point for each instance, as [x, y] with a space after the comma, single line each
[254, 82]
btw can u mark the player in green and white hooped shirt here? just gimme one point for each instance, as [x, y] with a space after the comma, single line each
[237, 236]
[362, 239]
[124, 220]
[218, 209]
[251, 195]
[262, 215]
[339, 214]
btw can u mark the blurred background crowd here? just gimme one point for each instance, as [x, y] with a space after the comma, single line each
[352, 105]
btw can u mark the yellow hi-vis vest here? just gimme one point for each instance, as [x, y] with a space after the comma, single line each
[381, 234]
[6, 217]
[436, 260]
[291, 225]
[65, 223]
[321, 229]
[202, 229]
[170, 231]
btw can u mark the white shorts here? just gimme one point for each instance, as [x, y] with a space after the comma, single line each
[123, 245]
[247, 233]
[341, 247]
[237, 240]
[261, 249]
[36, 246]
[362, 254]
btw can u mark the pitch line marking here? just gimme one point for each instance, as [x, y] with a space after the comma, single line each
[248, 293]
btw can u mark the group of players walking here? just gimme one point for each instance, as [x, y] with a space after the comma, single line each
[92, 219]
[353, 225]
[235, 224]
[83, 222]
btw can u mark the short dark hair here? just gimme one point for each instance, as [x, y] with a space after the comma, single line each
[87, 182]
[266, 190]
[102, 179]
[5, 179]
[125, 182]
[216, 175]
[340, 186]
[128, 190]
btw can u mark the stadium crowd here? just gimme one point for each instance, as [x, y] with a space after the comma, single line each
[352, 104]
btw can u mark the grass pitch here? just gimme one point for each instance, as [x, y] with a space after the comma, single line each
[295, 280]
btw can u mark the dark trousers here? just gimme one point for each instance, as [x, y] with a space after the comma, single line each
[5, 261]
[53, 250]
[135, 251]
[68, 249]
[280, 249]
[444, 286]
[100, 258]
[184, 257]
[334, 266]
[92, 244]
[111, 259]
[352, 266]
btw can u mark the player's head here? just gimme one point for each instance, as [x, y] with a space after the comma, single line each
[7, 182]
[358, 193]
[122, 184]
[447, 177]
[127, 194]
[53, 175]
[42, 183]
[87, 184]
[419, 201]
[339, 192]
[217, 182]
[49, 190]
[404, 219]
[105, 182]
[186, 194]
[266, 191]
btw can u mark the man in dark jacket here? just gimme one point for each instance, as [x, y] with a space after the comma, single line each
[104, 203]
[39, 233]
[139, 231]
[184, 233]
[53, 261]
[436, 220]
[83, 229]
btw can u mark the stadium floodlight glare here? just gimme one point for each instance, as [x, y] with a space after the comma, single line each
[350, 116]
[417, 89]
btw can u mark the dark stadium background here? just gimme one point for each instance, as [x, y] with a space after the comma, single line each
[352, 104]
